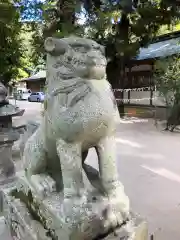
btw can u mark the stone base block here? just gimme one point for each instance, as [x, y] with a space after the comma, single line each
[8, 183]
[24, 224]
[140, 230]
[20, 222]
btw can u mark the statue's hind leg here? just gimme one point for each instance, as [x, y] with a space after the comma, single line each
[107, 163]
[34, 158]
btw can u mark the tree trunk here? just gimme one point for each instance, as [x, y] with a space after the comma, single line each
[115, 75]
[64, 19]
[118, 68]
[121, 84]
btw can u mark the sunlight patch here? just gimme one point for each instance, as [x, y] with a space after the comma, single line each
[128, 142]
[164, 173]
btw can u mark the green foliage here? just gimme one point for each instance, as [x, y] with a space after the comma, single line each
[33, 208]
[37, 43]
[10, 42]
[167, 77]
[165, 29]
[135, 27]
[30, 10]
[58, 20]
[123, 39]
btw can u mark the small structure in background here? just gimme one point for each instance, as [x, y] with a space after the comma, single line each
[8, 135]
[36, 82]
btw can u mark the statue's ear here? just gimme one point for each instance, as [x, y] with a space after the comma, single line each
[55, 46]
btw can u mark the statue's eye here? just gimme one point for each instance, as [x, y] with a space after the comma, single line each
[69, 58]
[78, 47]
[81, 49]
[101, 49]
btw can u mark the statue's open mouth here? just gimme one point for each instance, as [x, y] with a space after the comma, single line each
[76, 63]
[99, 65]
[68, 69]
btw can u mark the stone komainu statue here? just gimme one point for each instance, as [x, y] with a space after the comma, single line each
[80, 113]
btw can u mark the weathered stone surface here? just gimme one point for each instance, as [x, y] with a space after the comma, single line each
[19, 221]
[139, 231]
[80, 113]
[46, 226]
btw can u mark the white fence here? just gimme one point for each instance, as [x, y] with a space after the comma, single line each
[141, 96]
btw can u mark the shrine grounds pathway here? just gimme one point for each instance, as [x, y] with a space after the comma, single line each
[148, 162]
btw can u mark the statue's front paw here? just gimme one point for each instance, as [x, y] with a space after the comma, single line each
[118, 197]
[119, 210]
[77, 196]
[43, 184]
[114, 217]
[74, 206]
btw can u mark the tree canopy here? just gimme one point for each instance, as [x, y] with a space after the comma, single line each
[10, 43]
[123, 26]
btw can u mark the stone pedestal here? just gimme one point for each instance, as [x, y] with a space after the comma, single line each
[19, 221]
[8, 135]
[30, 219]
[22, 225]
[140, 230]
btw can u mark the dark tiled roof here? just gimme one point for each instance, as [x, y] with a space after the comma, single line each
[160, 49]
[40, 75]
